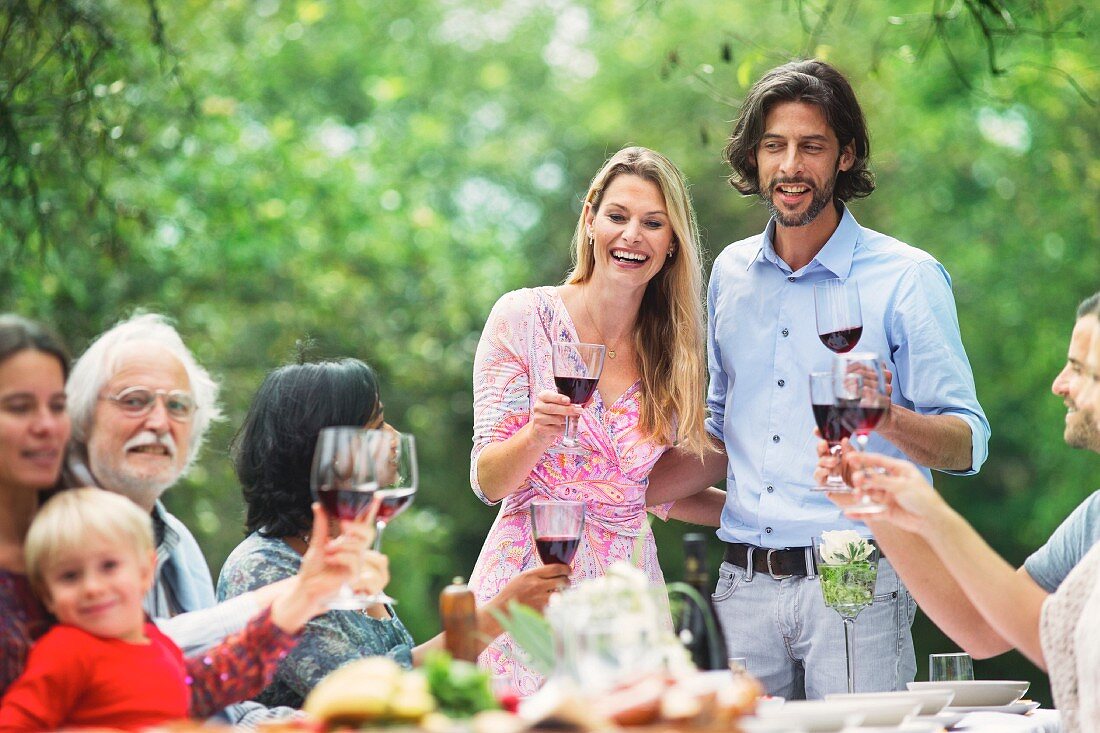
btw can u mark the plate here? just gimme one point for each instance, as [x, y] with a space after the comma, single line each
[978, 693]
[930, 701]
[944, 718]
[1020, 707]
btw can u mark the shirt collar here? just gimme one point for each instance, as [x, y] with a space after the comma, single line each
[835, 256]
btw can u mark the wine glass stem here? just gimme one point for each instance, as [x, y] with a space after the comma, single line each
[379, 527]
[850, 651]
[569, 440]
[835, 479]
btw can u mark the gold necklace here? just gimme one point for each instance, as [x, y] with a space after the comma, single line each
[610, 350]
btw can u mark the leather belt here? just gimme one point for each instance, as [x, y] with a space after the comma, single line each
[780, 564]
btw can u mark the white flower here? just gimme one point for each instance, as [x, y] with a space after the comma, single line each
[844, 546]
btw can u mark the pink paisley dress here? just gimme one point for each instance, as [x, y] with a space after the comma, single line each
[512, 365]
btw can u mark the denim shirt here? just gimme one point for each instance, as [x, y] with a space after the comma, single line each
[762, 344]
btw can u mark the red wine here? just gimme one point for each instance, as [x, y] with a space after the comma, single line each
[830, 423]
[860, 419]
[394, 501]
[348, 504]
[579, 390]
[842, 341]
[557, 549]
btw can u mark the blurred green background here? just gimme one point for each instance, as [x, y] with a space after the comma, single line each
[372, 175]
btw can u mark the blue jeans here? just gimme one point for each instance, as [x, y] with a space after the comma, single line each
[794, 644]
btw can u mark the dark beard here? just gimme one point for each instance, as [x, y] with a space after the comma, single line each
[822, 198]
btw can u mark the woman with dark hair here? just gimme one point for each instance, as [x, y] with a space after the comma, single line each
[272, 454]
[34, 428]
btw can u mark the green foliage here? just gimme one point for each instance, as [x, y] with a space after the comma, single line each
[532, 634]
[374, 175]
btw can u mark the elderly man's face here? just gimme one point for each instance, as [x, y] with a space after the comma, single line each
[140, 455]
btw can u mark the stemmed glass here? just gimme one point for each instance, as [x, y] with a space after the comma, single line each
[556, 527]
[830, 424]
[398, 475]
[839, 320]
[860, 385]
[342, 479]
[577, 369]
[847, 580]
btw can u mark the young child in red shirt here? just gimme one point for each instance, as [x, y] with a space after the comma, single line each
[90, 557]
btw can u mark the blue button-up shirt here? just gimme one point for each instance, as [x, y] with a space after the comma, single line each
[763, 343]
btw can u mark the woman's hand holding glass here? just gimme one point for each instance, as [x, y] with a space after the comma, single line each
[909, 501]
[328, 564]
[548, 415]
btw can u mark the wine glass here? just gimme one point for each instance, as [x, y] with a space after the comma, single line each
[839, 321]
[342, 479]
[950, 667]
[577, 369]
[397, 473]
[860, 386]
[830, 424]
[847, 582]
[556, 527]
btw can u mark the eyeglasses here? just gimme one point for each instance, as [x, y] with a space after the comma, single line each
[138, 401]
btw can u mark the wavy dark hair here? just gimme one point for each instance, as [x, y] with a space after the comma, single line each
[273, 450]
[19, 334]
[813, 82]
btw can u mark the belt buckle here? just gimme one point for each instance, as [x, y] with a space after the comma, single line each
[771, 572]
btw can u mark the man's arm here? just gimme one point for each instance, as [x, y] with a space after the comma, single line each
[942, 442]
[679, 474]
[936, 591]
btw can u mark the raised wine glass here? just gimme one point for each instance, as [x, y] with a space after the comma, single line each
[557, 527]
[397, 473]
[847, 572]
[860, 385]
[577, 369]
[830, 424]
[839, 320]
[342, 479]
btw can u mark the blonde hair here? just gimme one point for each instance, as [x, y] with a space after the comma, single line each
[668, 334]
[68, 520]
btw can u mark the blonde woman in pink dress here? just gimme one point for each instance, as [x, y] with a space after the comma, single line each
[636, 288]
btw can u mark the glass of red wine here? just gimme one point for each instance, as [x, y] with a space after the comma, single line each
[397, 474]
[839, 321]
[577, 369]
[862, 400]
[556, 527]
[830, 424]
[342, 479]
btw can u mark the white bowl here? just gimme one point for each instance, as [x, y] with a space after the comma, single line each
[812, 716]
[978, 693]
[930, 701]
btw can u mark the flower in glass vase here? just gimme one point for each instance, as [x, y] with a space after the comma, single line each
[847, 567]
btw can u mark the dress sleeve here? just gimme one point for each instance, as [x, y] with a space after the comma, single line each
[239, 668]
[49, 688]
[502, 376]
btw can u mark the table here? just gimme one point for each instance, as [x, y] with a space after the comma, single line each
[1037, 721]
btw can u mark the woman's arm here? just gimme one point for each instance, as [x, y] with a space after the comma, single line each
[531, 588]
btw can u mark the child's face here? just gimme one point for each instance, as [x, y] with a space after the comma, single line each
[100, 588]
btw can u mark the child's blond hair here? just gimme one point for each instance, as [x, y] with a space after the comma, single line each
[68, 520]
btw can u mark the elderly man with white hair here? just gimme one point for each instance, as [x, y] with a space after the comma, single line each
[141, 406]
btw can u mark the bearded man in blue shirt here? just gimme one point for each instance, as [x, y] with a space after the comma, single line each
[800, 143]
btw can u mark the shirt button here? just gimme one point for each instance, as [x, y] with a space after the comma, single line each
[791, 279]
[782, 382]
[768, 530]
[786, 332]
[775, 438]
[770, 488]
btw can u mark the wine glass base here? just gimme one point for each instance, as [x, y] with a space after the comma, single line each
[381, 599]
[840, 489]
[350, 603]
[864, 510]
[569, 450]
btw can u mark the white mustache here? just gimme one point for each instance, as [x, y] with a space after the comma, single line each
[148, 437]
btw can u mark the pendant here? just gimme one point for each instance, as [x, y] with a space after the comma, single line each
[611, 353]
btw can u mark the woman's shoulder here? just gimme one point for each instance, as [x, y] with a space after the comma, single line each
[256, 562]
[526, 300]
